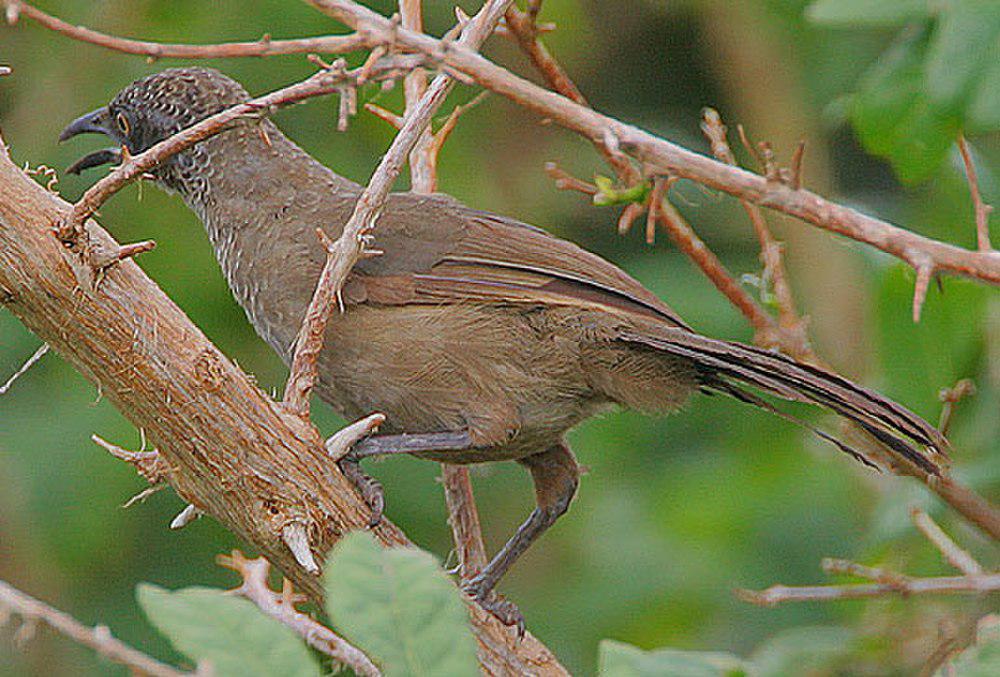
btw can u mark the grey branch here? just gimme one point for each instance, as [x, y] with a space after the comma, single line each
[97, 638]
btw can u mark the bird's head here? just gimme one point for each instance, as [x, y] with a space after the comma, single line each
[153, 108]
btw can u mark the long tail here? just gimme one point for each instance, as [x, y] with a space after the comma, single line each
[723, 366]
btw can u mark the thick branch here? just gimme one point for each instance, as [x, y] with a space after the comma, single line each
[97, 638]
[328, 44]
[230, 450]
[672, 159]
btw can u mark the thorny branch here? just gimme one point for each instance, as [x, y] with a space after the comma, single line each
[98, 638]
[982, 209]
[281, 607]
[884, 582]
[37, 355]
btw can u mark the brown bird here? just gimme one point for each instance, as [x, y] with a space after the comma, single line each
[481, 338]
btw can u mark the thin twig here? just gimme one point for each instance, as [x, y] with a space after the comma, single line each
[37, 355]
[949, 397]
[328, 44]
[281, 607]
[463, 515]
[97, 638]
[793, 338]
[983, 209]
[956, 556]
[884, 581]
[149, 464]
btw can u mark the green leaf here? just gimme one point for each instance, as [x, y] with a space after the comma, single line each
[608, 194]
[893, 116]
[960, 50]
[229, 632]
[867, 12]
[803, 651]
[983, 112]
[982, 659]
[399, 606]
[624, 660]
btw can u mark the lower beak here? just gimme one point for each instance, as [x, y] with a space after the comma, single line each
[96, 159]
[94, 122]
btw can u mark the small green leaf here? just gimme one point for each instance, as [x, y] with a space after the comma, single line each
[607, 194]
[624, 660]
[867, 12]
[399, 606]
[982, 659]
[803, 651]
[228, 632]
[893, 116]
[964, 40]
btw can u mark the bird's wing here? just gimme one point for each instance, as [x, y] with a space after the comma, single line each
[454, 254]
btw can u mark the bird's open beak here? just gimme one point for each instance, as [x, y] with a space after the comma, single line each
[95, 122]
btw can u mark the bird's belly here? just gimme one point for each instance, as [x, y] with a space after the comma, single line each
[437, 368]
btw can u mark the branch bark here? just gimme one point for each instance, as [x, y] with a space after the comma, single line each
[229, 449]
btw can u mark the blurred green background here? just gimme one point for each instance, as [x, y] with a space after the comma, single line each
[676, 512]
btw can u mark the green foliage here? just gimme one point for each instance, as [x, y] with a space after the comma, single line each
[399, 606]
[815, 650]
[624, 660]
[941, 75]
[229, 633]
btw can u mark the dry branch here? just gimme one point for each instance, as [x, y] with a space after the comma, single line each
[230, 449]
[97, 638]
[330, 44]
[669, 158]
[885, 582]
[982, 209]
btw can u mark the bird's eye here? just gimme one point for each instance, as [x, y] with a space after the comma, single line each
[123, 124]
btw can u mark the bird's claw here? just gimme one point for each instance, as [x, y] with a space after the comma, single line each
[370, 489]
[498, 606]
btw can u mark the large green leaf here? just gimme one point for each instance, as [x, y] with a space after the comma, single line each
[399, 606]
[228, 632]
[867, 12]
[894, 117]
[960, 50]
[803, 651]
[624, 660]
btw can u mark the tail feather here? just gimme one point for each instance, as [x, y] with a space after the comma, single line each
[724, 364]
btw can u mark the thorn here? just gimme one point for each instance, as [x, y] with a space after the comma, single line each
[387, 116]
[339, 444]
[295, 537]
[566, 181]
[5, 70]
[13, 12]
[628, 217]
[924, 272]
[185, 517]
[795, 181]
[369, 64]
[143, 495]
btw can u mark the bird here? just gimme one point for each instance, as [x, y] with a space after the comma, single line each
[481, 338]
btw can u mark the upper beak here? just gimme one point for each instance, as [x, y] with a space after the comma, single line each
[94, 122]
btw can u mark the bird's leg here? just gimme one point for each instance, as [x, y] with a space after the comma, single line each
[556, 475]
[377, 445]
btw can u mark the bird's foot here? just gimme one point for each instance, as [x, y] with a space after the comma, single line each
[501, 608]
[369, 487]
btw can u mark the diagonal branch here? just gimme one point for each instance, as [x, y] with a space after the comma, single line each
[97, 638]
[329, 44]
